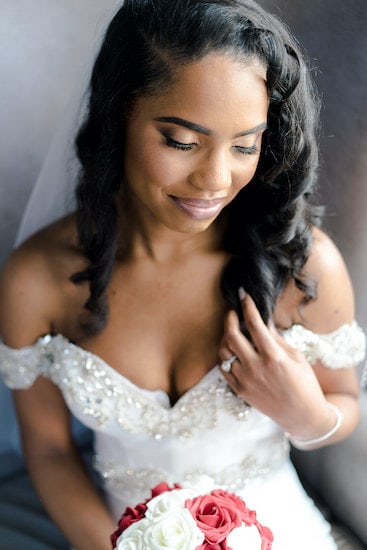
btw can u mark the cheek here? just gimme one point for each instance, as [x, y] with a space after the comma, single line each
[141, 165]
[157, 171]
[160, 170]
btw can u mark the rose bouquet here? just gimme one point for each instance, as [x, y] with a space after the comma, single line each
[181, 519]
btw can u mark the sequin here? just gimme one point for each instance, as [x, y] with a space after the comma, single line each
[345, 347]
[119, 479]
[103, 395]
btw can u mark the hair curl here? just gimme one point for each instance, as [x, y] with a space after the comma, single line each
[270, 220]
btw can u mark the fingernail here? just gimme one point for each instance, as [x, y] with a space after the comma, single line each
[241, 293]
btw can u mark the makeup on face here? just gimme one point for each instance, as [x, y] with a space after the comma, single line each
[191, 150]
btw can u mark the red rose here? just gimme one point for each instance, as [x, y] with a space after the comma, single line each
[216, 515]
[163, 488]
[247, 516]
[266, 536]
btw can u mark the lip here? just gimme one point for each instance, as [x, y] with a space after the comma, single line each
[199, 209]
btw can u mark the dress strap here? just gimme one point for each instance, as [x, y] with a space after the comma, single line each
[344, 347]
[20, 367]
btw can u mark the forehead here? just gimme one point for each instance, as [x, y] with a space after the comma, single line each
[219, 91]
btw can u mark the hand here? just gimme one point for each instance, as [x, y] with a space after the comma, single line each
[272, 376]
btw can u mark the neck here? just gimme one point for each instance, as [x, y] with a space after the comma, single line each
[164, 245]
[141, 239]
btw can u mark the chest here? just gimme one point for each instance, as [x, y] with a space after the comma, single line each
[164, 327]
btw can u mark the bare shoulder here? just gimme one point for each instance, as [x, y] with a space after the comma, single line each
[334, 305]
[35, 285]
[334, 302]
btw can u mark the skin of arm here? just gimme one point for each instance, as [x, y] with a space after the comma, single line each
[29, 300]
[274, 377]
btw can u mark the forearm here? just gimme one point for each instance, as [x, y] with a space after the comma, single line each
[349, 407]
[71, 500]
[339, 422]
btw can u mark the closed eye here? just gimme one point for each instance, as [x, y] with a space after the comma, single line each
[178, 144]
[246, 150]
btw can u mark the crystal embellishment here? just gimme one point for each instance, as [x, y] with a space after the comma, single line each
[233, 477]
[345, 347]
[106, 396]
[103, 395]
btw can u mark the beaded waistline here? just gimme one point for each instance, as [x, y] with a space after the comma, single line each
[121, 480]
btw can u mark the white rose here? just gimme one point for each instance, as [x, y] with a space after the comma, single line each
[173, 529]
[167, 501]
[133, 537]
[246, 537]
[200, 484]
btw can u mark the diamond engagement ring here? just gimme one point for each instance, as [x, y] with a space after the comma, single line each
[226, 365]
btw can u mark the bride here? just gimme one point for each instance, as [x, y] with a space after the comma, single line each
[191, 311]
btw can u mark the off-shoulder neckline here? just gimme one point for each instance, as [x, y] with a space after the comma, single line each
[213, 373]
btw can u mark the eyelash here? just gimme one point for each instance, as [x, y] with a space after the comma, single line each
[189, 146]
[246, 150]
[178, 145]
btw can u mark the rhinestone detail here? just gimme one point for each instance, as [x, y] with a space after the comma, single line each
[233, 477]
[105, 396]
[345, 347]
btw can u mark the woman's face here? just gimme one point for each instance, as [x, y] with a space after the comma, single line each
[190, 150]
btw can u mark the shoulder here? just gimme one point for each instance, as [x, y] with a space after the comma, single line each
[325, 257]
[35, 282]
[334, 303]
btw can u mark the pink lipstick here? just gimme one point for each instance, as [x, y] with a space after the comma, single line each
[198, 209]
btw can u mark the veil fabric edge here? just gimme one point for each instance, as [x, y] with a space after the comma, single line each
[53, 194]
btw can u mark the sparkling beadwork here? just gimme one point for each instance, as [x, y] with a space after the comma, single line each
[345, 347]
[197, 409]
[234, 476]
[106, 396]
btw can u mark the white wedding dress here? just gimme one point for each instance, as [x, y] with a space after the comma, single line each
[209, 437]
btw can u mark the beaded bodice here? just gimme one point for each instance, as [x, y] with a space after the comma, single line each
[140, 439]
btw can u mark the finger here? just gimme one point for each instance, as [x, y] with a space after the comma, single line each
[225, 352]
[226, 365]
[279, 338]
[235, 340]
[274, 332]
[261, 336]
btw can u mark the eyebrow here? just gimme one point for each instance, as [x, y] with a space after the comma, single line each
[202, 130]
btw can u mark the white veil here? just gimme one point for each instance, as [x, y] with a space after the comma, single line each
[53, 193]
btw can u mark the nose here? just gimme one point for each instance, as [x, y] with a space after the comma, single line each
[213, 172]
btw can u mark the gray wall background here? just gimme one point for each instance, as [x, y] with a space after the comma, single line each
[333, 32]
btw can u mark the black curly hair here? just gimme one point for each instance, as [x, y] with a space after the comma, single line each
[269, 229]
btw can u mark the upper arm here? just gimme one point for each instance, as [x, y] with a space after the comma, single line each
[24, 312]
[44, 419]
[27, 306]
[333, 307]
